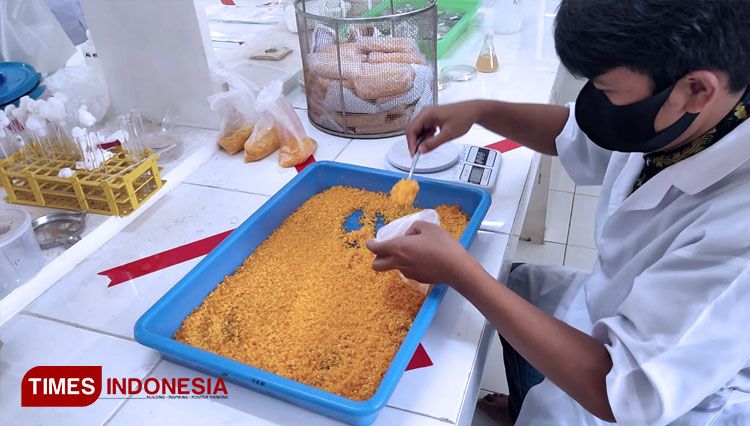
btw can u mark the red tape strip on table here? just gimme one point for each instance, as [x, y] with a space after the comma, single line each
[420, 359]
[228, 2]
[163, 260]
[504, 145]
[301, 166]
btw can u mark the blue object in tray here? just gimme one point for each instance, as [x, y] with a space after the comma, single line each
[157, 326]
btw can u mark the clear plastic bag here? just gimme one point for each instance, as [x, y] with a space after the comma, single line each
[263, 141]
[81, 85]
[278, 113]
[236, 108]
[29, 32]
[398, 228]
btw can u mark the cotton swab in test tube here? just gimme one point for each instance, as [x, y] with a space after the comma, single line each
[8, 143]
[4, 120]
[21, 114]
[54, 111]
[5, 147]
[40, 109]
[87, 121]
[10, 112]
[15, 127]
[39, 132]
[35, 108]
[80, 137]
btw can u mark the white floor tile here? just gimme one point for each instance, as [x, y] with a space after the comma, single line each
[29, 341]
[542, 254]
[582, 221]
[559, 179]
[494, 369]
[580, 257]
[588, 190]
[559, 207]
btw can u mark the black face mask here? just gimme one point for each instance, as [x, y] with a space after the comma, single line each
[626, 128]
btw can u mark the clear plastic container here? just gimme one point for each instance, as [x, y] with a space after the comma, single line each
[20, 255]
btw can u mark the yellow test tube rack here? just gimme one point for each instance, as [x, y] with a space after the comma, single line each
[117, 188]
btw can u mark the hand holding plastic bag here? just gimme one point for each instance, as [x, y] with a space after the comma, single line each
[398, 228]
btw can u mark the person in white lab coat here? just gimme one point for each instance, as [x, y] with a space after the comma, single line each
[659, 332]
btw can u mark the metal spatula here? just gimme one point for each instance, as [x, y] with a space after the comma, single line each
[415, 158]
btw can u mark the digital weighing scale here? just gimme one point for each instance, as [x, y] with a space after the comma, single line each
[467, 165]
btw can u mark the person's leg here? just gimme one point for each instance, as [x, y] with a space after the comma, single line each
[521, 376]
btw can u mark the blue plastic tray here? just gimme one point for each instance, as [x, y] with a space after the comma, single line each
[157, 326]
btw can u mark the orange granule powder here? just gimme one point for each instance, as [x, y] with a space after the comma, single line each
[307, 304]
[404, 192]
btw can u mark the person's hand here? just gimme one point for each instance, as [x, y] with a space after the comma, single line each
[453, 120]
[427, 253]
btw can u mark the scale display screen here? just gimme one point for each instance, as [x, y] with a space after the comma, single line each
[476, 175]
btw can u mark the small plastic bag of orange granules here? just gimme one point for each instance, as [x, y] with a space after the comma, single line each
[236, 109]
[398, 228]
[296, 147]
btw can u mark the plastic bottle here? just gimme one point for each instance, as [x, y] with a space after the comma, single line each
[508, 16]
[487, 60]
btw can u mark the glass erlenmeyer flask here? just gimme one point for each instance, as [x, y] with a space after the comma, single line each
[487, 60]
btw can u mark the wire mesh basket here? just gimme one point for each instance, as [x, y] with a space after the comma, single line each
[369, 67]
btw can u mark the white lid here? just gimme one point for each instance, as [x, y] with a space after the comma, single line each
[13, 224]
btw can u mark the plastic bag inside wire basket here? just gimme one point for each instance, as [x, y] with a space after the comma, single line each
[369, 78]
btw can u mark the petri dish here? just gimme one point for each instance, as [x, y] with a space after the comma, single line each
[443, 82]
[459, 72]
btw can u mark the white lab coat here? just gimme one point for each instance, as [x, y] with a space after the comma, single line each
[669, 295]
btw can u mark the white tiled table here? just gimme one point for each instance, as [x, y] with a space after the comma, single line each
[81, 321]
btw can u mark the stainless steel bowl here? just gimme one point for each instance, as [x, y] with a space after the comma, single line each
[59, 228]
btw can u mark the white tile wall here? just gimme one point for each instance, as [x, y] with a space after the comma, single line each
[582, 221]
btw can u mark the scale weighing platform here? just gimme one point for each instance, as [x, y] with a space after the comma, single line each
[467, 165]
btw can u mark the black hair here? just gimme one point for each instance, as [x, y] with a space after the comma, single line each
[664, 39]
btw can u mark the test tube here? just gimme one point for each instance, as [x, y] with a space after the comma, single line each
[82, 140]
[131, 141]
[39, 140]
[136, 122]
